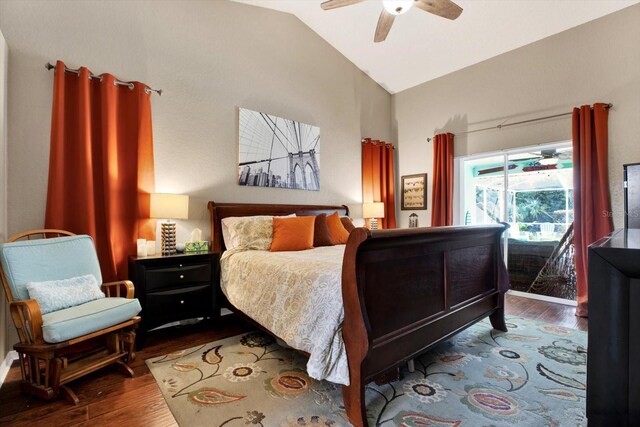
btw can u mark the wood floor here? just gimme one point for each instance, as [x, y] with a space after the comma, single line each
[107, 397]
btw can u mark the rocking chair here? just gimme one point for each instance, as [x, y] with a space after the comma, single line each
[68, 324]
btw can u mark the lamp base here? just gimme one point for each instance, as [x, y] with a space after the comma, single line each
[373, 224]
[168, 238]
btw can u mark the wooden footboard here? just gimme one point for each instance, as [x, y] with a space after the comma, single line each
[407, 290]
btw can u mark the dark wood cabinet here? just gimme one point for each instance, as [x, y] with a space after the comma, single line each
[173, 288]
[613, 363]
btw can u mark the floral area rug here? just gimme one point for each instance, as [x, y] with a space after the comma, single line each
[533, 375]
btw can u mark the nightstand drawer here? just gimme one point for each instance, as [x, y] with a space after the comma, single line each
[177, 302]
[187, 274]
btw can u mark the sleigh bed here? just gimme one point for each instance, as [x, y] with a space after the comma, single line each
[403, 291]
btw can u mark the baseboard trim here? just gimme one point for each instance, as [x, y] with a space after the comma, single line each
[6, 365]
[543, 298]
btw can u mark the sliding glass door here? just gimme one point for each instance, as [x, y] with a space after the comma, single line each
[531, 189]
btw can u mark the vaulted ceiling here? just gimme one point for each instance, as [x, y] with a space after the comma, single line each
[421, 46]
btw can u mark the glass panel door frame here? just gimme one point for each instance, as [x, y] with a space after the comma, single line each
[460, 206]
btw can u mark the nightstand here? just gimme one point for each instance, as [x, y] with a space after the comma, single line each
[175, 287]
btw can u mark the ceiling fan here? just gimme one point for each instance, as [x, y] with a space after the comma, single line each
[550, 156]
[544, 160]
[392, 8]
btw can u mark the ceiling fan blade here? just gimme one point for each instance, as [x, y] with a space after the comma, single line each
[332, 4]
[384, 25]
[445, 8]
[525, 159]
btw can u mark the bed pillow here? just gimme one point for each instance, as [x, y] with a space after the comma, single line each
[248, 232]
[226, 235]
[347, 224]
[292, 234]
[321, 235]
[54, 295]
[339, 234]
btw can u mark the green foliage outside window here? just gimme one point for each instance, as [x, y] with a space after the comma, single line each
[541, 206]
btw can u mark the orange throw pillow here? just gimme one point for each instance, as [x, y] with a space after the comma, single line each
[339, 234]
[292, 234]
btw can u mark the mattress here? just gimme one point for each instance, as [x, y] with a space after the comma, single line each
[298, 297]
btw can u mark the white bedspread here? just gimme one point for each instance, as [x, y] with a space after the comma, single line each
[298, 297]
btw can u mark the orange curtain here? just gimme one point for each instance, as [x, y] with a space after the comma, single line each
[378, 182]
[101, 164]
[590, 189]
[442, 190]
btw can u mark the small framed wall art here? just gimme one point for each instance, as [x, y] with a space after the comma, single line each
[414, 192]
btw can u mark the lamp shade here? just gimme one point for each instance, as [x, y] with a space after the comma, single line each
[373, 210]
[169, 206]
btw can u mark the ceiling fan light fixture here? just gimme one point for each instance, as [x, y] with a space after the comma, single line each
[397, 7]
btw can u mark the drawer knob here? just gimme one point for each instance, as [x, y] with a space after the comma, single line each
[181, 301]
[182, 276]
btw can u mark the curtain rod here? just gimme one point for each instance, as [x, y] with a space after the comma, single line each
[117, 82]
[500, 126]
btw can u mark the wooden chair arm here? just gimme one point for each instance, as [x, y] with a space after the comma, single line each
[121, 288]
[27, 319]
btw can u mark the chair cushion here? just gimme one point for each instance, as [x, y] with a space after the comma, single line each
[47, 259]
[86, 318]
[54, 295]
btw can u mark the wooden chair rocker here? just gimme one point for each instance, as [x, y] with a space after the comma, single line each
[68, 323]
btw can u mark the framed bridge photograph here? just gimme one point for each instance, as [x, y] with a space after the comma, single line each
[277, 152]
[414, 192]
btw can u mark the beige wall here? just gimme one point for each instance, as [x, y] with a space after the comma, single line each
[209, 57]
[595, 62]
[4, 63]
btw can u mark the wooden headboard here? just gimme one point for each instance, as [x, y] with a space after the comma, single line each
[218, 211]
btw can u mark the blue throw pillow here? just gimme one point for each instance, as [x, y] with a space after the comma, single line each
[54, 295]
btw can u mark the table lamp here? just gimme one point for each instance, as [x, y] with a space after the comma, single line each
[169, 206]
[372, 211]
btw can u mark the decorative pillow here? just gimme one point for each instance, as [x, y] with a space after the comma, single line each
[347, 224]
[339, 234]
[292, 234]
[54, 295]
[248, 232]
[321, 235]
[252, 232]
